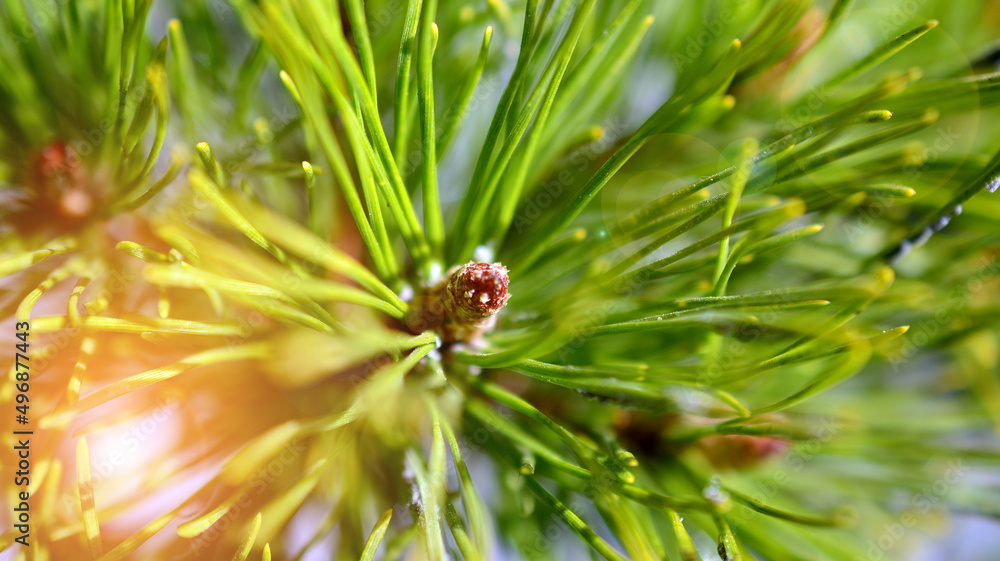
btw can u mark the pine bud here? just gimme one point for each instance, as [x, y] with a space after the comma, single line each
[476, 291]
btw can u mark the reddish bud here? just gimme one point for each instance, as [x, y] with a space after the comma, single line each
[740, 452]
[463, 305]
[58, 190]
[476, 291]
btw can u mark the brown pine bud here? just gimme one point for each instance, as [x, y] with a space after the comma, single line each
[476, 291]
[463, 305]
[742, 451]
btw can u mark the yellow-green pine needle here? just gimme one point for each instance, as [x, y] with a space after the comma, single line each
[433, 220]
[247, 544]
[87, 507]
[375, 538]
[881, 53]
